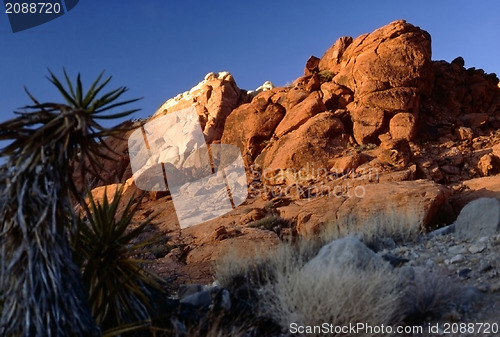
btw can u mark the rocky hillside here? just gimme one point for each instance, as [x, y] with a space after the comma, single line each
[374, 126]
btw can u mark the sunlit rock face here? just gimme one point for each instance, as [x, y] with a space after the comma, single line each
[213, 98]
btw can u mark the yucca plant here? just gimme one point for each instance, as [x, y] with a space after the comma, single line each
[40, 286]
[108, 248]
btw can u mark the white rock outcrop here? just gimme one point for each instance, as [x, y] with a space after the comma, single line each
[213, 98]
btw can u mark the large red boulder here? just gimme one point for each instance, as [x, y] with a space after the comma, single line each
[312, 144]
[250, 126]
[387, 71]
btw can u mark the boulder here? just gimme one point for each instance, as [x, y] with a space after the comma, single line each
[368, 123]
[421, 200]
[313, 84]
[387, 70]
[347, 252]
[292, 97]
[393, 99]
[396, 55]
[250, 126]
[336, 96]
[346, 164]
[486, 187]
[403, 126]
[300, 113]
[395, 152]
[311, 65]
[332, 58]
[479, 218]
[312, 144]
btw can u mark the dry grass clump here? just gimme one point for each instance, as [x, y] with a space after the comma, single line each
[259, 268]
[287, 293]
[223, 325]
[336, 296]
[429, 296]
[400, 226]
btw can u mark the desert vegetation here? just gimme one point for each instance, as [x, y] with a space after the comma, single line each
[63, 273]
[336, 278]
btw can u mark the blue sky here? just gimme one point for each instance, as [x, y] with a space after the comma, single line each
[160, 48]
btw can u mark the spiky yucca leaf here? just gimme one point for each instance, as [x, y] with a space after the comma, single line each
[65, 133]
[119, 287]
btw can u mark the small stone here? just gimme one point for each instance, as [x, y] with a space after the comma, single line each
[485, 266]
[484, 287]
[477, 248]
[219, 233]
[457, 258]
[495, 287]
[464, 273]
[464, 133]
[188, 289]
[458, 249]
[199, 299]
[450, 169]
[394, 260]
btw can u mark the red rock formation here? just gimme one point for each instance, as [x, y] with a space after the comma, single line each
[387, 71]
[214, 98]
[373, 113]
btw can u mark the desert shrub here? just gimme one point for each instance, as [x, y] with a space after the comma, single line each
[42, 290]
[220, 325]
[428, 296]
[339, 296]
[336, 297]
[326, 76]
[245, 274]
[107, 246]
[268, 222]
[258, 268]
[236, 269]
[285, 291]
[402, 226]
